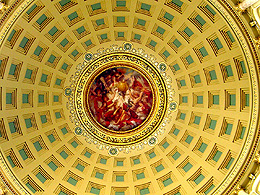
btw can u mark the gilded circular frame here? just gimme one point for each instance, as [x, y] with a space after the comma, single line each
[138, 64]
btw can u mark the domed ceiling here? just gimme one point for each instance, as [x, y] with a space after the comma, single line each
[126, 97]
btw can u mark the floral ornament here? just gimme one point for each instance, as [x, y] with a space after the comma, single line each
[152, 141]
[162, 67]
[173, 106]
[113, 151]
[78, 131]
[127, 46]
[67, 91]
[88, 56]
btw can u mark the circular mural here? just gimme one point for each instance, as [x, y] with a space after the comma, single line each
[120, 98]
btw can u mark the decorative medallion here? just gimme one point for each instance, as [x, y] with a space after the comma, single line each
[119, 97]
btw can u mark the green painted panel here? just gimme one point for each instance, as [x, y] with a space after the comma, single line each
[56, 98]
[152, 155]
[11, 161]
[229, 71]
[197, 120]
[178, 193]
[74, 144]
[41, 177]
[31, 9]
[28, 74]
[100, 21]
[209, 189]
[167, 182]
[120, 163]
[120, 178]
[153, 43]
[64, 130]
[187, 167]
[203, 147]
[120, 193]
[243, 67]
[44, 77]
[41, 19]
[80, 167]
[217, 156]
[177, 2]
[177, 43]
[9, 99]
[145, 6]
[137, 36]
[247, 96]
[64, 42]
[64, 2]
[183, 116]
[72, 181]
[23, 154]
[38, 50]
[184, 99]
[99, 175]
[165, 145]
[64, 66]
[25, 98]
[232, 99]
[58, 82]
[218, 43]
[203, 51]
[199, 179]
[210, 10]
[200, 20]
[200, 99]
[141, 22]
[95, 190]
[136, 161]
[103, 36]
[52, 165]
[120, 19]
[189, 139]
[12, 69]
[51, 138]
[212, 124]
[176, 67]
[140, 176]
[176, 155]
[216, 99]
[103, 161]
[37, 146]
[160, 30]
[88, 42]
[230, 163]
[159, 168]
[188, 31]
[121, 34]
[51, 58]
[74, 53]
[11, 35]
[230, 36]
[41, 98]
[64, 155]
[189, 59]
[242, 132]
[120, 3]
[87, 154]
[30, 187]
[197, 79]
[96, 6]
[62, 193]
[73, 16]
[176, 131]
[12, 127]
[212, 75]
[23, 42]
[183, 82]
[144, 191]
[53, 31]
[166, 54]
[168, 16]
[229, 129]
